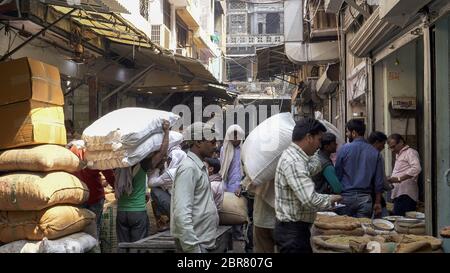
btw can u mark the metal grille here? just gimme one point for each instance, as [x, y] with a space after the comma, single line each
[237, 5]
[156, 34]
[238, 23]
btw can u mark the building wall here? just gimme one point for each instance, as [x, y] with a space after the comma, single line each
[135, 16]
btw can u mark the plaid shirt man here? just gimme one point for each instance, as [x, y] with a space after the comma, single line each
[295, 197]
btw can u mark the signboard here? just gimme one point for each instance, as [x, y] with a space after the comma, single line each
[404, 103]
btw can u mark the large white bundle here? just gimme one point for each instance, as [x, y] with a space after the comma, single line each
[125, 127]
[263, 147]
[106, 160]
[75, 243]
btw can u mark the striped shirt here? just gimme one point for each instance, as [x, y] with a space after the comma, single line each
[295, 197]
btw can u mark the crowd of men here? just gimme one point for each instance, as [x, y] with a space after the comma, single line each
[188, 186]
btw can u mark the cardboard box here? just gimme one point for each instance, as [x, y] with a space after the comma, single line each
[30, 123]
[28, 79]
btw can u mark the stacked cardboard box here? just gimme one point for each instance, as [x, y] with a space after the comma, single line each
[31, 104]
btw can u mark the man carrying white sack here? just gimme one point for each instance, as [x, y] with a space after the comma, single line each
[194, 217]
[132, 221]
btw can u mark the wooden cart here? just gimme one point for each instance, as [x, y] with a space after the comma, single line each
[163, 242]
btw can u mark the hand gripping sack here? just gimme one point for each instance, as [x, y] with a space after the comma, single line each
[125, 127]
[52, 223]
[263, 147]
[36, 191]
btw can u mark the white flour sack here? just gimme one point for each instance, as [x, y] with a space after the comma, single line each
[263, 147]
[108, 159]
[125, 127]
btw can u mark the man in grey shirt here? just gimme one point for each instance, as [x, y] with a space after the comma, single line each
[194, 216]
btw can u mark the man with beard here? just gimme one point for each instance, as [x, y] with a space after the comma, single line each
[359, 167]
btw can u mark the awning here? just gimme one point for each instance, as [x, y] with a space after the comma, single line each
[218, 91]
[372, 33]
[109, 25]
[97, 5]
[173, 73]
[272, 61]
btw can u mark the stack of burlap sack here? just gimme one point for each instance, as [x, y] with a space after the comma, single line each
[39, 198]
[343, 234]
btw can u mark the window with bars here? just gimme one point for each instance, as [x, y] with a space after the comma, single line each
[143, 7]
[238, 23]
[237, 5]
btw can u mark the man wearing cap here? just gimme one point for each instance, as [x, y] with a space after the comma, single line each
[194, 217]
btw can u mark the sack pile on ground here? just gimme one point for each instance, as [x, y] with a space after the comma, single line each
[124, 137]
[343, 234]
[39, 198]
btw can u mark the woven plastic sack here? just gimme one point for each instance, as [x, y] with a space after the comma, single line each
[125, 127]
[107, 160]
[263, 147]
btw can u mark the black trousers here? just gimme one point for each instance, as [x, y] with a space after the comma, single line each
[403, 204]
[131, 226]
[293, 237]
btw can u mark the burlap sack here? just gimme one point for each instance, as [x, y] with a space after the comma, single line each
[409, 238]
[36, 191]
[336, 222]
[407, 228]
[234, 211]
[415, 247]
[42, 158]
[52, 223]
[321, 232]
[342, 243]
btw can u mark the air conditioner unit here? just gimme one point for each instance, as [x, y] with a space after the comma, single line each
[161, 35]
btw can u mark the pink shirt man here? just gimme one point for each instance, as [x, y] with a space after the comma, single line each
[407, 163]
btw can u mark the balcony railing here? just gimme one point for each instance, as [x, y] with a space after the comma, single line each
[255, 39]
